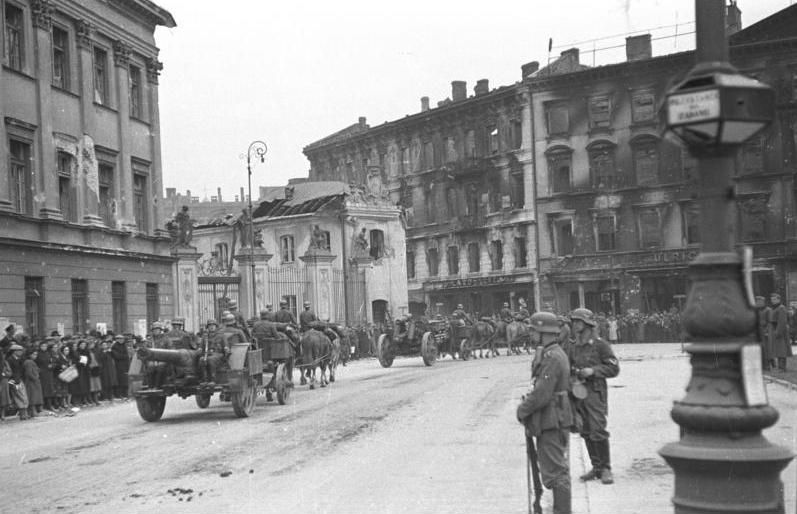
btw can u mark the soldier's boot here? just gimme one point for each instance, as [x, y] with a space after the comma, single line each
[562, 496]
[594, 458]
[606, 467]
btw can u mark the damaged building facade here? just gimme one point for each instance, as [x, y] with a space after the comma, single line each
[462, 174]
[616, 201]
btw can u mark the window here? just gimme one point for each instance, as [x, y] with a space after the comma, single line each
[752, 156]
[66, 190]
[286, 249]
[377, 242]
[135, 92]
[428, 155]
[432, 261]
[405, 160]
[517, 134]
[222, 255]
[100, 76]
[495, 193]
[34, 306]
[14, 37]
[119, 306]
[470, 143]
[451, 202]
[474, 258]
[496, 255]
[140, 201]
[451, 149]
[643, 107]
[60, 58]
[752, 218]
[106, 194]
[153, 304]
[410, 264]
[492, 139]
[600, 111]
[80, 306]
[604, 232]
[453, 260]
[521, 259]
[518, 193]
[646, 163]
[691, 227]
[649, 227]
[559, 164]
[563, 237]
[429, 204]
[601, 166]
[558, 119]
[20, 177]
[472, 200]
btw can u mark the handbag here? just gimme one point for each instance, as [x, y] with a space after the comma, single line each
[69, 374]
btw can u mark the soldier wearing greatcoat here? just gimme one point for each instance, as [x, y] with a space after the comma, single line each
[546, 410]
[219, 348]
[779, 332]
[506, 313]
[592, 361]
[284, 315]
[306, 318]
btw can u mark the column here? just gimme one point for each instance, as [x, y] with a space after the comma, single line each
[318, 265]
[47, 178]
[581, 301]
[87, 198]
[121, 60]
[184, 274]
[253, 269]
[156, 171]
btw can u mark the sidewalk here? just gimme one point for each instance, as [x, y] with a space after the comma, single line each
[640, 400]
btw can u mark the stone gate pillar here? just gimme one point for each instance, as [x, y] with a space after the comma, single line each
[365, 263]
[184, 278]
[253, 268]
[318, 266]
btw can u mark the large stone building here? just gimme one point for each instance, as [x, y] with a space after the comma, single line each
[341, 249]
[616, 201]
[81, 166]
[463, 174]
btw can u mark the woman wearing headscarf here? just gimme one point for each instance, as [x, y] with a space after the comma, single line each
[33, 385]
[44, 360]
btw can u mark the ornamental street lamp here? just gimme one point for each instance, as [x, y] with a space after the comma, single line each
[722, 462]
[259, 148]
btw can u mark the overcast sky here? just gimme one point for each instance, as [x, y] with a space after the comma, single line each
[290, 73]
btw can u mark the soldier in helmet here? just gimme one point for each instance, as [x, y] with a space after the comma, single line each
[158, 338]
[546, 410]
[306, 318]
[270, 315]
[284, 315]
[240, 322]
[460, 314]
[592, 361]
[219, 348]
[180, 339]
[506, 313]
[563, 338]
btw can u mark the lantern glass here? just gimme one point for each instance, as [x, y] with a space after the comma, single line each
[737, 132]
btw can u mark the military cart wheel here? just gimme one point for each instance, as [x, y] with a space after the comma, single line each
[464, 351]
[151, 408]
[428, 349]
[383, 351]
[243, 403]
[283, 384]
[202, 400]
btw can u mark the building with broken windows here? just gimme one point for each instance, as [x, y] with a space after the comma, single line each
[80, 172]
[341, 248]
[616, 201]
[462, 173]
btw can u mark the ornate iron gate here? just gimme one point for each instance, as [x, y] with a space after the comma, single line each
[350, 296]
[213, 295]
[289, 283]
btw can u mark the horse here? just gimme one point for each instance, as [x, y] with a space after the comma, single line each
[482, 333]
[514, 332]
[316, 351]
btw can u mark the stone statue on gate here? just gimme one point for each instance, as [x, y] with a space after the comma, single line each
[181, 228]
[361, 244]
[242, 228]
[318, 241]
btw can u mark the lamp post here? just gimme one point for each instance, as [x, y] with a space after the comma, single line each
[722, 462]
[259, 148]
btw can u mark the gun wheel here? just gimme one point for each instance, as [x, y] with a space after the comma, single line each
[283, 384]
[151, 408]
[202, 400]
[243, 403]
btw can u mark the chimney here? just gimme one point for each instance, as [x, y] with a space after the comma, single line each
[424, 103]
[733, 19]
[482, 86]
[361, 122]
[637, 48]
[459, 90]
[218, 193]
[289, 192]
[528, 69]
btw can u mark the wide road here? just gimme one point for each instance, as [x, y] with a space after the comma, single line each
[408, 439]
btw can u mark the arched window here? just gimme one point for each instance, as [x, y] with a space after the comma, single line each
[377, 242]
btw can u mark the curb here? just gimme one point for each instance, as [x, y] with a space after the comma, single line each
[780, 382]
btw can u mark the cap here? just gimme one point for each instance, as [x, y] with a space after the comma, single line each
[15, 347]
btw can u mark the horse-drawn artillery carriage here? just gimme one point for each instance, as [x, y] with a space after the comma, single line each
[408, 337]
[264, 365]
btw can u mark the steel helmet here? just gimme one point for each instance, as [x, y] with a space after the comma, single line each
[232, 304]
[229, 318]
[157, 325]
[178, 321]
[211, 322]
[459, 306]
[584, 315]
[306, 303]
[544, 322]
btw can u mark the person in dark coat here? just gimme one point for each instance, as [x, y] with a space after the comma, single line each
[80, 387]
[33, 385]
[121, 361]
[108, 373]
[779, 332]
[5, 374]
[44, 360]
[763, 312]
[95, 372]
[16, 382]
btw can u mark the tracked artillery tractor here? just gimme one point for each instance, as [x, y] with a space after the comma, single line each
[410, 338]
[264, 366]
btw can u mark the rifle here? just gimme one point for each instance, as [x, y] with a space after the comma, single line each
[533, 469]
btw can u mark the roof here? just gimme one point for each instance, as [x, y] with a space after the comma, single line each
[780, 25]
[155, 13]
[308, 197]
[340, 135]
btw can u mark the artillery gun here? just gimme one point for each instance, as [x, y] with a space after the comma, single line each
[407, 337]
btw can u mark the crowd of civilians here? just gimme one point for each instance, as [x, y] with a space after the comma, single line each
[57, 374]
